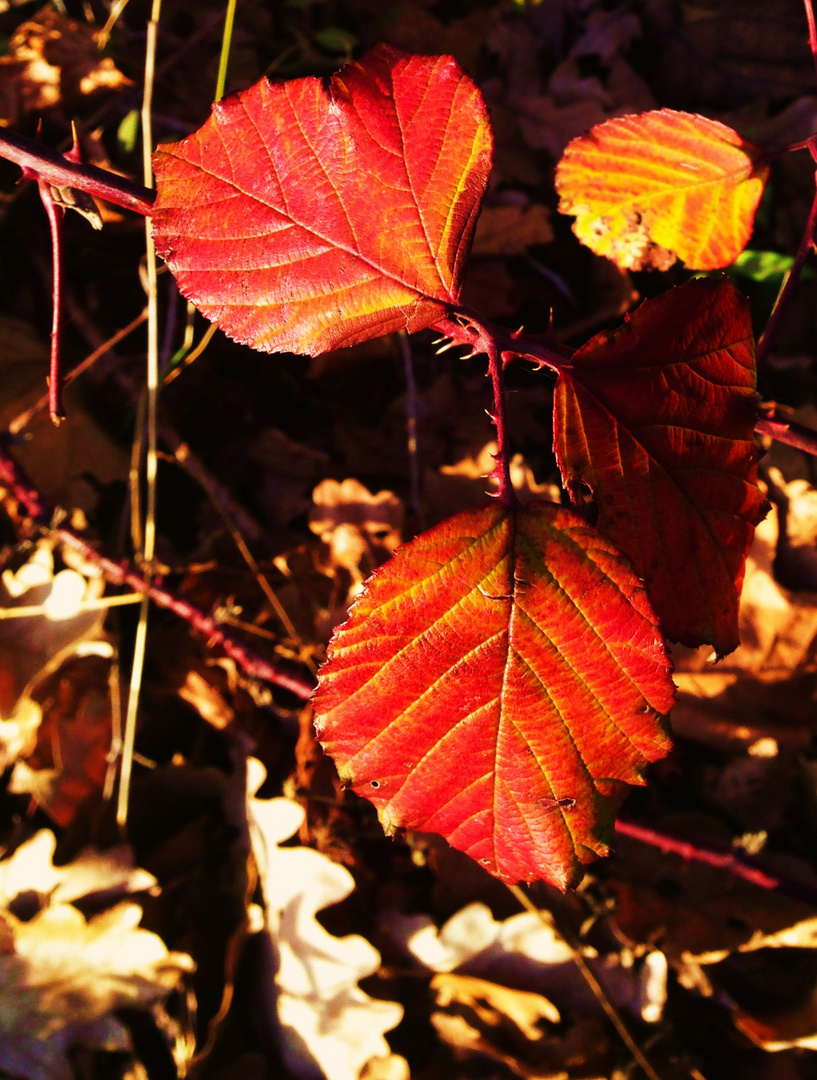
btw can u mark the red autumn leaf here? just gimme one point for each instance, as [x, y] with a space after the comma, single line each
[662, 184]
[657, 419]
[499, 681]
[303, 217]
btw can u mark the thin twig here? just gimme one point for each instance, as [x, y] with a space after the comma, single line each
[31, 611]
[151, 459]
[216, 492]
[224, 58]
[411, 426]
[589, 977]
[723, 860]
[812, 32]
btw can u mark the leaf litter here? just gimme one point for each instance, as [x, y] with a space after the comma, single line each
[584, 63]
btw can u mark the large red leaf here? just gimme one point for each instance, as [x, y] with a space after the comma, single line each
[306, 217]
[657, 419]
[661, 184]
[498, 682]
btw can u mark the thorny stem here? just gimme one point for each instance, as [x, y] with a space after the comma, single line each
[502, 472]
[283, 674]
[460, 329]
[728, 861]
[59, 171]
[24, 418]
[589, 977]
[54, 213]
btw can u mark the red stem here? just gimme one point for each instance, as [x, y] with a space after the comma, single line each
[785, 294]
[777, 426]
[724, 860]
[463, 328]
[812, 32]
[502, 470]
[56, 169]
[54, 213]
[280, 673]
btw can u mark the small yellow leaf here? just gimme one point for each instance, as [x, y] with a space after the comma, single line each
[661, 185]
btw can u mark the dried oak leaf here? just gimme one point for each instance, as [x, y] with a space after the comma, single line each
[62, 977]
[510, 1026]
[320, 1006]
[527, 952]
[52, 60]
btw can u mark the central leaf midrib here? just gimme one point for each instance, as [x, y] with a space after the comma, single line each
[312, 231]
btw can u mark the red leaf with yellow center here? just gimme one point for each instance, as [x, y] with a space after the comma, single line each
[657, 419]
[657, 185]
[499, 681]
[304, 217]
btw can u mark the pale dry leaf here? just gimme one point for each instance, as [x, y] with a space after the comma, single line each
[510, 1026]
[360, 530]
[34, 645]
[378, 516]
[469, 480]
[526, 952]
[52, 59]
[18, 731]
[329, 1026]
[62, 978]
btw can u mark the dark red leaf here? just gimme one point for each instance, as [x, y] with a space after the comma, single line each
[657, 419]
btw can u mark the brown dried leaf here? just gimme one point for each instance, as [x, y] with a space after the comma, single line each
[52, 60]
[507, 1025]
[509, 230]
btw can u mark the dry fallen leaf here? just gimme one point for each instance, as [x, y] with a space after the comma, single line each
[456, 487]
[324, 1016]
[52, 60]
[507, 1025]
[526, 952]
[509, 230]
[63, 977]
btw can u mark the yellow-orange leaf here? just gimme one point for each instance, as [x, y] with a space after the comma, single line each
[662, 185]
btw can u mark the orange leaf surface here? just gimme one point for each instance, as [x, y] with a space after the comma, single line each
[646, 189]
[499, 681]
[304, 217]
[657, 419]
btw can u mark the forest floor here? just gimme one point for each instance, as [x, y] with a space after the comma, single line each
[187, 940]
